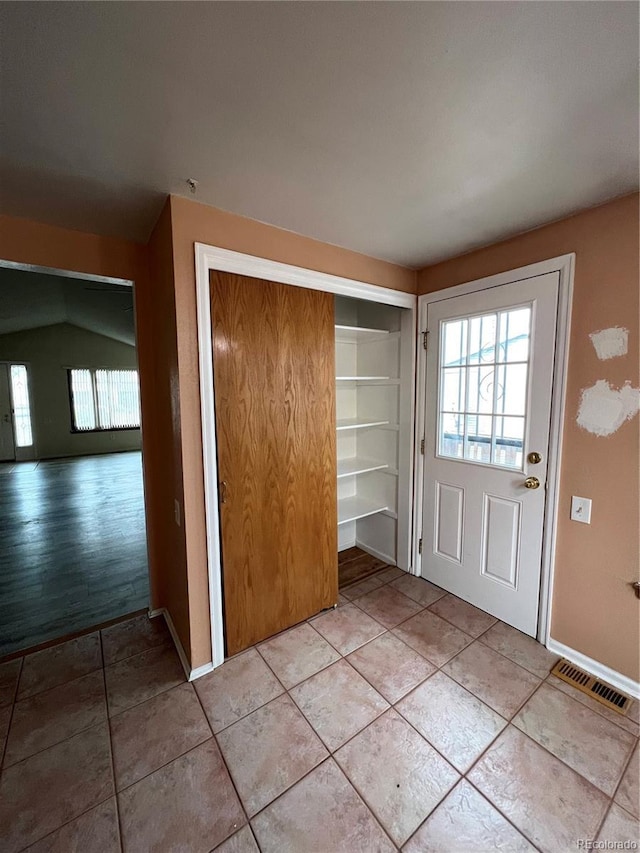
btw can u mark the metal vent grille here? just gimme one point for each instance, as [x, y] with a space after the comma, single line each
[592, 686]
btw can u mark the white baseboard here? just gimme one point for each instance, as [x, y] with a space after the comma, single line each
[594, 667]
[386, 558]
[199, 671]
[191, 674]
[346, 545]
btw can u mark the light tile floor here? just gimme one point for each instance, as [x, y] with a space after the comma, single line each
[405, 719]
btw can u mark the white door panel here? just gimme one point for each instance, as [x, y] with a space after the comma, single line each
[489, 382]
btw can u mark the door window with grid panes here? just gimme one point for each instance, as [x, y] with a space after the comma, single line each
[483, 381]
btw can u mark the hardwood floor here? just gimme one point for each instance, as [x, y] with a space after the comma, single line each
[72, 546]
[354, 564]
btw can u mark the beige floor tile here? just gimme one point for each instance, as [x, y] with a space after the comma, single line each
[338, 703]
[466, 821]
[149, 735]
[321, 813]
[628, 794]
[391, 666]
[138, 678]
[399, 775]
[9, 673]
[624, 721]
[458, 724]
[269, 751]
[132, 637]
[620, 827]
[388, 606]
[361, 587]
[297, 654]
[50, 717]
[499, 682]
[49, 789]
[434, 638]
[418, 589]
[96, 831]
[595, 748]
[187, 805]
[241, 842]
[342, 600]
[465, 616]
[237, 688]
[347, 628]
[546, 800]
[521, 649]
[59, 664]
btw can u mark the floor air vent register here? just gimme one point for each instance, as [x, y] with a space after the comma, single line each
[592, 686]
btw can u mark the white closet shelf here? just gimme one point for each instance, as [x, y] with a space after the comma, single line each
[353, 508]
[362, 378]
[353, 334]
[355, 423]
[356, 465]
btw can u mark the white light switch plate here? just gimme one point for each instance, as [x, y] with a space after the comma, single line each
[581, 509]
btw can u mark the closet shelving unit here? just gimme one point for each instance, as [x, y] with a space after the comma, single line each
[369, 399]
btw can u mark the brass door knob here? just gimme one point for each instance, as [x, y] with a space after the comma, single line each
[534, 457]
[532, 483]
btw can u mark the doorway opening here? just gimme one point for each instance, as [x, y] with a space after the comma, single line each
[73, 548]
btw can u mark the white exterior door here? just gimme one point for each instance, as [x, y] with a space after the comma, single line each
[7, 448]
[488, 403]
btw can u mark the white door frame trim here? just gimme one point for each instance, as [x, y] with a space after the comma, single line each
[209, 258]
[564, 265]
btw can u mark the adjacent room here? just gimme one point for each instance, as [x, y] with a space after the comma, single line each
[73, 543]
[320, 427]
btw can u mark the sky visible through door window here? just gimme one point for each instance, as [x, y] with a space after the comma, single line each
[484, 364]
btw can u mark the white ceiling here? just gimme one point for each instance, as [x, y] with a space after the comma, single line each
[410, 131]
[30, 300]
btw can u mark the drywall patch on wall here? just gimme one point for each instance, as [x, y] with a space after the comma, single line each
[610, 343]
[604, 409]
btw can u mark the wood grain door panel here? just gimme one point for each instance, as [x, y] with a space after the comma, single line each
[274, 378]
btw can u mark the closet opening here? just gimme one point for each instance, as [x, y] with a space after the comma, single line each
[374, 435]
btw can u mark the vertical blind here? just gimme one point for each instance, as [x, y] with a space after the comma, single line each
[104, 399]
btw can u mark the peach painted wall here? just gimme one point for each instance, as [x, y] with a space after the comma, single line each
[171, 572]
[27, 242]
[594, 609]
[197, 223]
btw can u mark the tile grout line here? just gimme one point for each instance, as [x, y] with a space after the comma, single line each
[226, 767]
[11, 713]
[329, 757]
[546, 749]
[501, 813]
[597, 711]
[86, 728]
[109, 730]
[100, 802]
[627, 764]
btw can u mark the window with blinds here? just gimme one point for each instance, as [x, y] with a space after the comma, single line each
[104, 399]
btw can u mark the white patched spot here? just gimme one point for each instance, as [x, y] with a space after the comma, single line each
[604, 409]
[610, 343]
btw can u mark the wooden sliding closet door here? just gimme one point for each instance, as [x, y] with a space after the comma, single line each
[274, 380]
